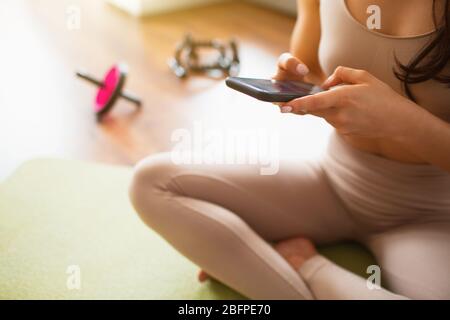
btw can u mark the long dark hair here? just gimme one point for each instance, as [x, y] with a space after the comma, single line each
[432, 59]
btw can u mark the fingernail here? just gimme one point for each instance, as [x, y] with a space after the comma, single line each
[325, 83]
[286, 109]
[302, 69]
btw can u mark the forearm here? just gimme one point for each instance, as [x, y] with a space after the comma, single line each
[425, 135]
[328, 281]
[305, 38]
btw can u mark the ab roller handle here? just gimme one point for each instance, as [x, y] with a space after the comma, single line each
[123, 94]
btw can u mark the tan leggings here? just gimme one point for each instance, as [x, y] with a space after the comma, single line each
[223, 218]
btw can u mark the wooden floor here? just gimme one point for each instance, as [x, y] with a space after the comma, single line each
[46, 111]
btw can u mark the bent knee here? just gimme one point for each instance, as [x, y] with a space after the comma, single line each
[150, 178]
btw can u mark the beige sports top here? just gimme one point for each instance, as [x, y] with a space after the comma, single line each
[347, 42]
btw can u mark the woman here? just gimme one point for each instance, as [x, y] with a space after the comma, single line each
[384, 181]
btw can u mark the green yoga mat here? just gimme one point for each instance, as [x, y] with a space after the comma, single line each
[62, 219]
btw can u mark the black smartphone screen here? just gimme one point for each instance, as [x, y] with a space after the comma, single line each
[272, 90]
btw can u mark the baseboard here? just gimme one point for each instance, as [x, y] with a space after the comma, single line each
[148, 7]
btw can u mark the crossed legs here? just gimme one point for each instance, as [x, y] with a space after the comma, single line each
[223, 218]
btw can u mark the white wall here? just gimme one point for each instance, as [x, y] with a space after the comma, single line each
[288, 6]
[143, 7]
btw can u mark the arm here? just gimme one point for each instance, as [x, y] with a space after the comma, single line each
[359, 104]
[302, 64]
[425, 135]
[306, 37]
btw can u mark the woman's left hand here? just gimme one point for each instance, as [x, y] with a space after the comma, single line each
[357, 104]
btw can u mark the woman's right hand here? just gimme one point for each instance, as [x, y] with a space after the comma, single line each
[290, 68]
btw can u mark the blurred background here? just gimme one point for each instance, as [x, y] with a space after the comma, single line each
[45, 111]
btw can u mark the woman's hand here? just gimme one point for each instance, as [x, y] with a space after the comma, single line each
[290, 68]
[360, 105]
[296, 251]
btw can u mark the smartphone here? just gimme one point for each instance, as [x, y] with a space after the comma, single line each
[272, 90]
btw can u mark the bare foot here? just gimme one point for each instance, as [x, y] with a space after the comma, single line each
[203, 276]
[296, 251]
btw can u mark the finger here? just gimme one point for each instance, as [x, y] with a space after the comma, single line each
[346, 75]
[327, 114]
[320, 101]
[287, 63]
[330, 115]
[336, 117]
[283, 75]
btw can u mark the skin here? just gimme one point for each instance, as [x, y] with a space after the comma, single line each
[357, 107]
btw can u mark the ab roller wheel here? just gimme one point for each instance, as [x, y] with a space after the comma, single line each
[110, 89]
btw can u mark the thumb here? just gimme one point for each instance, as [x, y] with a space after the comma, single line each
[346, 75]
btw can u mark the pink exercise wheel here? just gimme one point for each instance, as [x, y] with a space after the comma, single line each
[110, 89]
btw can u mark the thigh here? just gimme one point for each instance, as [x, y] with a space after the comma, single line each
[297, 200]
[415, 260]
